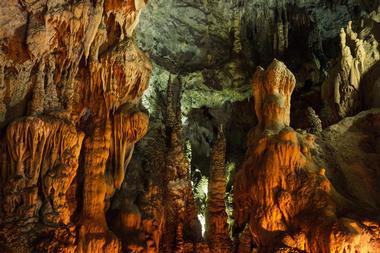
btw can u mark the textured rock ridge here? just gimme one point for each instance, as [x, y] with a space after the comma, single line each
[281, 193]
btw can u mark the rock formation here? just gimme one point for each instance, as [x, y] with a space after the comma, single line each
[314, 121]
[72, 72]
[217, 233]
[97, 156]
[182, 228]
[281, 192]
[42, 161]
[342, 90]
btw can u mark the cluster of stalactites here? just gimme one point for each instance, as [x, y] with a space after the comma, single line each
[46, 58]
[80, 64]
[281, 31]
[121, 76]
[42, 151]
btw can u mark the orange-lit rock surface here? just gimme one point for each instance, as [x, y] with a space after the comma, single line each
[217, 232]
[72, 120]
[283, 197]
[73, 76]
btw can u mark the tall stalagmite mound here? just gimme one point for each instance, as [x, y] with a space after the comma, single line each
[282, 195]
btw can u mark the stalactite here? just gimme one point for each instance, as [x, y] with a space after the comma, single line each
[281, 30]
[37, 103]
[3, 107]
[128, 129]
[51, 100]
[94, 22]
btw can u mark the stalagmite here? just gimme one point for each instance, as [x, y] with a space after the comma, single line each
[342, 89]
[217, 228]
[92, 160]
[315, 122]
[280, 192]
[181, 213]
[94, 235]
[272, 91]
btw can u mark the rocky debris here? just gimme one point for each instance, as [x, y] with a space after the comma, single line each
[281, 192]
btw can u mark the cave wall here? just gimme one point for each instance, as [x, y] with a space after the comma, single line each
[71, 81]
[75, 95]
[216, 46]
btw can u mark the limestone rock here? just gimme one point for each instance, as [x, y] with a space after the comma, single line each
[30, 171]
[181, 213]
[86, 168]
[197, 34]
[281, 192]
[217, 227]
[343, 89]
[73, 75]
[352, 148]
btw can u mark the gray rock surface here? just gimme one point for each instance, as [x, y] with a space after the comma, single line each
[185, 35]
